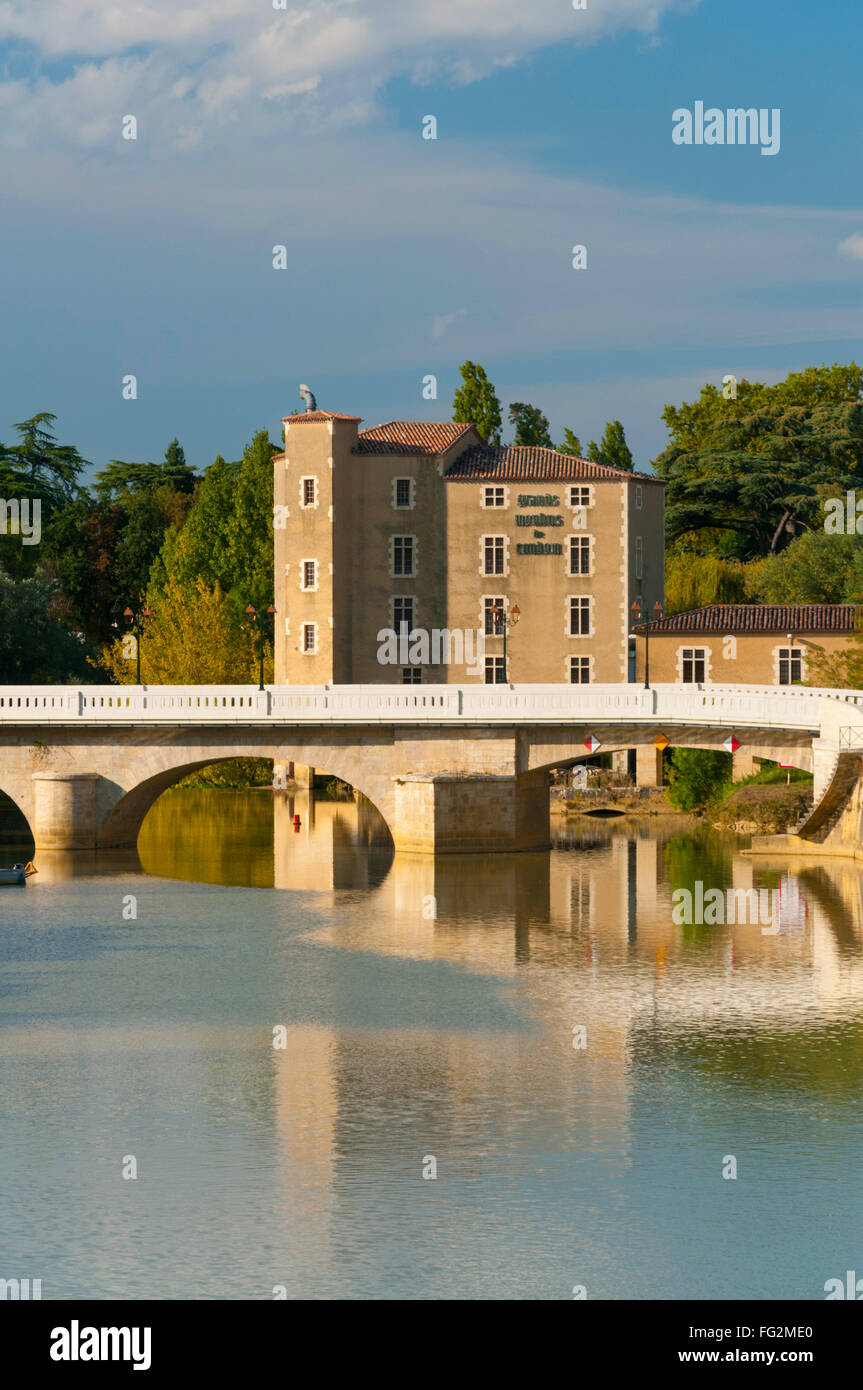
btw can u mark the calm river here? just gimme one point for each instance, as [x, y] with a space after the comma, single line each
[579, 1070]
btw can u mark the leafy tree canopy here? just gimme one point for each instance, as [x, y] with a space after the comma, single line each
[757, 475]
[476, 403]
[35, 644]
[531, 426]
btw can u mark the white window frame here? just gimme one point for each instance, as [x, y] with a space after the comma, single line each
[639, 557]
[581, 506]
[404, 574]
[309, 651]
[497, 664]
[580, 574]
[639, 497]
[693, 647]
[309, 588]
[498, 574]
[582, 659]
[499, 600]
[778, 658]
[581, 600]
[494, 506]
[309, 478]
[403, 598]
[412, 489]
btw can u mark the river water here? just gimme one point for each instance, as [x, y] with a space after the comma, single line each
[283, 1029]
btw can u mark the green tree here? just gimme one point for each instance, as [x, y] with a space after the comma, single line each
[697, 777]
[38, 463]
[757, 477]
[118, 479]
[475, 403]
[613, 451]
[571, 444]
[695, 581]
[192, 639]
[175, 471]
[35, 644]
[531, 426]
[814, 568]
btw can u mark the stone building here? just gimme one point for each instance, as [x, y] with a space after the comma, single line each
[396, 546]
[744, 643]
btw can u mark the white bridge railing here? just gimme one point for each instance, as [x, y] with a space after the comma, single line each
[793, 708]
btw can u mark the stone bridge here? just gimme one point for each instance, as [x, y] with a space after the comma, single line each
[451, 769]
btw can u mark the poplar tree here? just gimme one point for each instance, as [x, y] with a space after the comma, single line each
[476, 403]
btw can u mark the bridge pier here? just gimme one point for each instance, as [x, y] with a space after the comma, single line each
[460, 813]
[648, 766]
[65, 810]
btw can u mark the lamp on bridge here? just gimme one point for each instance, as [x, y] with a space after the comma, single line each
[642, 616]
[270, 614]
[502, 621]
[136, 622]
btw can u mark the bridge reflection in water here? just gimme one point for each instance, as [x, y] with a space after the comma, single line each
[602, 898]
[429, 1006]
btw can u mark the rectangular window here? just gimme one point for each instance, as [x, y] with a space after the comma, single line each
[308, 637]
[308, 492]
[494, 555]
[790, 665]
[639, 557]
[403, 492]
[639, 497]
[579, 555]
[494, 497]
[494, 672]
[310, 574]
[412, 675]
[403, 556]
[495, 611]
[579, 496]
[579, 670]
[403, 614]
[693, 665]
[579, 617]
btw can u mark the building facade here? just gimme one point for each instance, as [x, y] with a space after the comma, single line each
[406, 552]
[745, 643]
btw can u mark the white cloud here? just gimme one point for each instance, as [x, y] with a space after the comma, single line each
[852, 246]
[188, 64]
[442, 322]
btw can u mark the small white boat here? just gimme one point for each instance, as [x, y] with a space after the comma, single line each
[19, 873]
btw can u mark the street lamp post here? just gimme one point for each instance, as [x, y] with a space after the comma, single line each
[502, 621]
[136, 624]
[644, 617]
[252, 612]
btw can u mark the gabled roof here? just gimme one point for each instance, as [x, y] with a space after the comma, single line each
[313, 416]
[411, 437]
[516, 461]
[795, 618]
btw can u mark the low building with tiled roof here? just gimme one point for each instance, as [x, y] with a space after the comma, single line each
[415, 526]
[522, 463]
[743, 643]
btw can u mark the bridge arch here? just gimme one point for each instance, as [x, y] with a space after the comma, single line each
[121, 824]
[14, 820]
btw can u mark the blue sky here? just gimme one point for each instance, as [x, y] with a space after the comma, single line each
[406, 256]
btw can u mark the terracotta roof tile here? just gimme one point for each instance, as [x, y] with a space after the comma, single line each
[411, 437]
[760, 617]
[515, 461]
